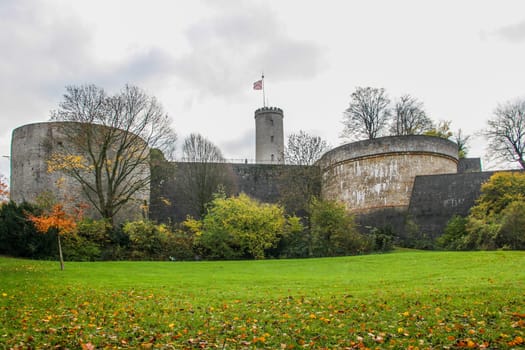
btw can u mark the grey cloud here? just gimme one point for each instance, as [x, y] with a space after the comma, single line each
[242, 146]
[514, 33]
[229, 50]
[145, 68]
[43, 52]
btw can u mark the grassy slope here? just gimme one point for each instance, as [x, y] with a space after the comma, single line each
[393, 300]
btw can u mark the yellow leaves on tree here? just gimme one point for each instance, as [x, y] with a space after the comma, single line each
[66, 162]
[4, 189]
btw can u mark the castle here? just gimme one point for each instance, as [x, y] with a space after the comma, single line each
[386, 181]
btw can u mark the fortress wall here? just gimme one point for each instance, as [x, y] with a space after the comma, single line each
[263, 182]
[379, 174]
[436, 199]
[469, 165]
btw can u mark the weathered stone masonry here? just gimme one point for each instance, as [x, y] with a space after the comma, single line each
[385, 181]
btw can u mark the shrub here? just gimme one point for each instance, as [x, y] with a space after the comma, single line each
[454, 235]
[512, 231]
[149, 241]
[89, 240]
[497, 219]
[382, 238]
[240, 227]
[333, 230]
[18, 235]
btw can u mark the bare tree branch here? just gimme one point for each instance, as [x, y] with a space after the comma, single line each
[367, 115]
[109, 138]
[204, 173]
[506, 133]
[409, 117]
[304, 149]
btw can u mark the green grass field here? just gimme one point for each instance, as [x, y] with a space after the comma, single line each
[400, 300]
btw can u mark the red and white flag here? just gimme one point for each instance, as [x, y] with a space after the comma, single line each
[258, 85]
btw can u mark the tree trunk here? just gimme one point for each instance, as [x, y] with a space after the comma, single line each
[60, 252]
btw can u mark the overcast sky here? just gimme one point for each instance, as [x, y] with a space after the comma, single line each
[200, 59]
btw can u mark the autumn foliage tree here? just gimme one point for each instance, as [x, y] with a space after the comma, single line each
[4, 189]
[496, 221]
[58, 222]
[107, 141]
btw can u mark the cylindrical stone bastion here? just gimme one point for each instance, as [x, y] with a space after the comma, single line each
[379, 173]
[32, 146]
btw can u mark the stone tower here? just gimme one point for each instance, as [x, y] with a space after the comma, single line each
[32, 145]
[269, 136]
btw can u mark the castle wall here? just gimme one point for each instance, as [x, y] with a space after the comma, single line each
[264, 182]
[436, 199]
[378, 174]
[469, 165]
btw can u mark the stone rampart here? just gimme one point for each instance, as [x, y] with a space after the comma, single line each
[379, 173]
[263, 182]
[436, 199]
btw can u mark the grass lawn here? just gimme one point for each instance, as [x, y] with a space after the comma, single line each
[400, 300]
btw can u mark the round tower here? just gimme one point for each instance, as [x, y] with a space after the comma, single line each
[33, 145]
[269, 136]
[377, 174]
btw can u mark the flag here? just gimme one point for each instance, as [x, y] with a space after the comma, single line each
[258, 85]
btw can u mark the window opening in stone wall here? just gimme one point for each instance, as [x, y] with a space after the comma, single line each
[272, 157]
[271, 139]
[271, 122]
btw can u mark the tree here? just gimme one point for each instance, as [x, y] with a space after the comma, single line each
[462, 141]
[441, 129]
[506, 132]
[367, 115]
[409, 117]
[204, 173]
[58, 222]
[4, 189]
[502, 189]
[304, 149]
[106, 146]
[497, 219]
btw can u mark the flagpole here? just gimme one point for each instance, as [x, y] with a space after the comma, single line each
[264, 100]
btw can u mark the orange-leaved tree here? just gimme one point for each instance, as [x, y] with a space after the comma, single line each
[57, 221]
